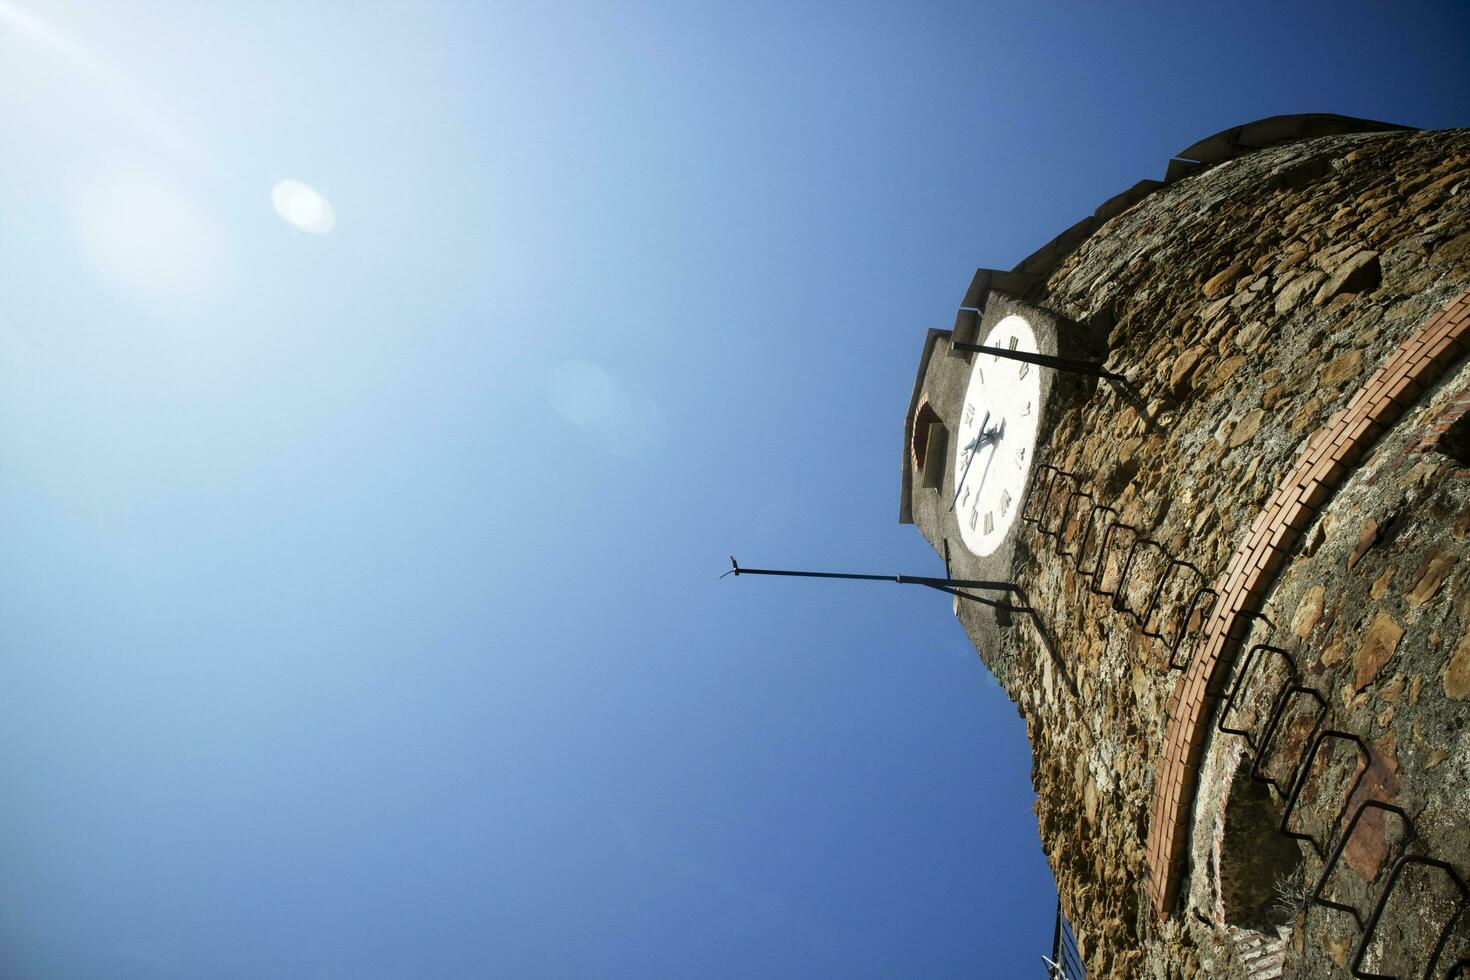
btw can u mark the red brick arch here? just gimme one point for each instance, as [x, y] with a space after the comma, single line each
[1317, 473]
[919, 440]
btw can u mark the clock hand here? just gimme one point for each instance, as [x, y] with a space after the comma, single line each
[972, 449]
[991, 438]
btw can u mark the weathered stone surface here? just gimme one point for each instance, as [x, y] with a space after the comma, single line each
[1227, 369]
[1344, 368]
[1380, 584]
[1457, 671]
[1224, 278]
[1293, 291]
[1246, 428]
[1431, 575]
[1308, 612]
[1377, 645]
[1358, 273]
[1456, 250]
[1184, 366]
[1370, 535]
[1332, 650]
[1251, 335]
[1368, 847]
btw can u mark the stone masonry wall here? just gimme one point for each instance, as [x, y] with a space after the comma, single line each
[1247, 304]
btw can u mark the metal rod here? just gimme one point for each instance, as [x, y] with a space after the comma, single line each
[993, 603]
[1256, 771]
[1305, 773]
[1070, 364]
[951, 583]
[1393, 877]
[1327, 869]
[1240, 678]
[1056, 933]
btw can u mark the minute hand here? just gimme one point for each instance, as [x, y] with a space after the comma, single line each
[973, 449]
[991, 438]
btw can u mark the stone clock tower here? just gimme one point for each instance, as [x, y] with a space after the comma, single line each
[1216, 438]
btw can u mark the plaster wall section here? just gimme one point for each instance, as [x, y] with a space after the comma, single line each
[942, 384]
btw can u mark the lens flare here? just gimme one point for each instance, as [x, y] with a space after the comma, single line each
[302, 207]
[620, 418]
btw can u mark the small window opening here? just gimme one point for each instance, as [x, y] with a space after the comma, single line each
[930, 441]
[1262, 881]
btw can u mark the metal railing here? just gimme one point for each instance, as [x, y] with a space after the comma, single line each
[1065, 962]
[1056, 502]
[1331, 854]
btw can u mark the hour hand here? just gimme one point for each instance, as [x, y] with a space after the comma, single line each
[973, 448]
[980, 437]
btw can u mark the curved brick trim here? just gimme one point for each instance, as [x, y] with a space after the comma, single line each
[919, 435]
[1317, 473]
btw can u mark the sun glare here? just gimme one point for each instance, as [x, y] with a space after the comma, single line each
[149, 236]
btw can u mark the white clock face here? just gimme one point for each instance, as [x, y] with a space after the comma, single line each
[997, 434]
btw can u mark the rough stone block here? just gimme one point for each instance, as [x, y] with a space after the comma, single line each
[1377, 646]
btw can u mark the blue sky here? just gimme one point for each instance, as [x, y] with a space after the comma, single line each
[358, 600]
